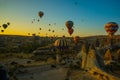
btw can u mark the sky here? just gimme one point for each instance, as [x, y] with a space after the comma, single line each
[89, 16]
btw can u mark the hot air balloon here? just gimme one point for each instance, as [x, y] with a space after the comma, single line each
[111, 28]
[76, 39]
[70, 31]
[38, 20]
[33, 34]
[53, 31]
[8, 23]
[61, 44]
[5, 26]
[49, 30]
[2, 30]
[28, 33]
[40, 28]
[69, 24]
[40, 14]
[49, 24]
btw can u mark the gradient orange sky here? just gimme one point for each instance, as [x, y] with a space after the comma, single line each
[89, 17]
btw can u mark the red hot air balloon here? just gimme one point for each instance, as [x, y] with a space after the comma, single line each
[70, 31]
[41, 14]
[69, 24]
[111, 28]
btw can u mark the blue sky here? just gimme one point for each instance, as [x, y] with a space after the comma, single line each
[89, 16]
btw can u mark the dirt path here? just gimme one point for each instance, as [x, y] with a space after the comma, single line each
[43, 73]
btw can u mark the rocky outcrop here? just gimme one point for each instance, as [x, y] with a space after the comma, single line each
[94, 64]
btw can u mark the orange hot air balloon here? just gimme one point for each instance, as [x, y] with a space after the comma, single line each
[69, 24]
[70, 31]
[41, 14]
[76, 39]
[111, 28]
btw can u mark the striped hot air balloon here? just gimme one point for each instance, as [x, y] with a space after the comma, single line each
[111, 28]
[61, 44]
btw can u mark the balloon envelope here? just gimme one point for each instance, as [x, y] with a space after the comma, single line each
[70, 31]
[8, 23]
[28, 33]
[40, 28]
[5, 26]
[38, 20]
[40, 14]
[111, 28]
[61, 44]
[53, 31]
[69, 24]
[2, 30]
[49, 30]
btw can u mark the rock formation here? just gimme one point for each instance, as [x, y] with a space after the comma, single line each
[94, 64]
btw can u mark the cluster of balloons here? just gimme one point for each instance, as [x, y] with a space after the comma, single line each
[34, 20]
[111, 28]
[5, 26]
[69, 25]
[51, 30]
[51, 24]
[40, 14]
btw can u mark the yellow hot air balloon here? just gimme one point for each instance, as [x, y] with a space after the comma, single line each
[61, 44]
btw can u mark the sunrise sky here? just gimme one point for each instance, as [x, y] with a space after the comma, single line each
[89, 16]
